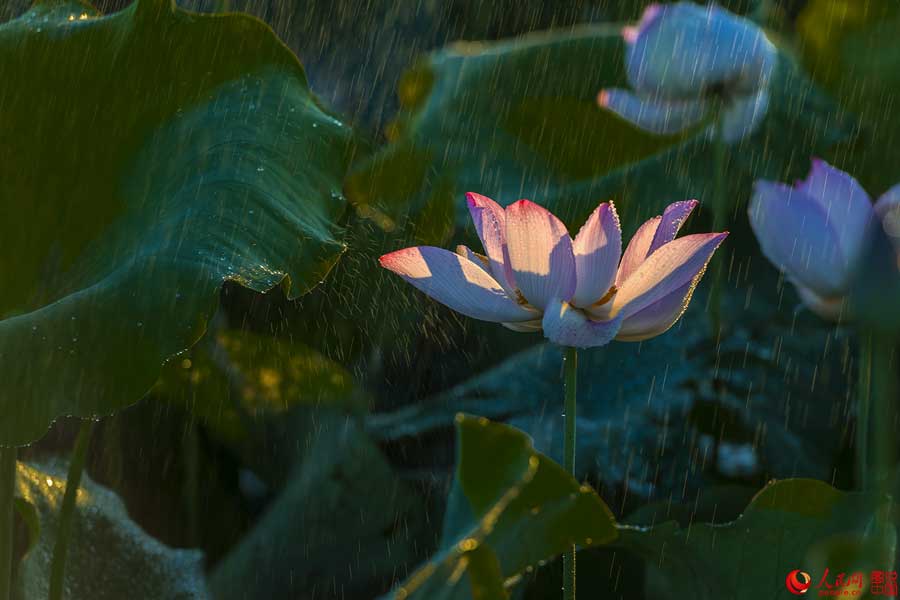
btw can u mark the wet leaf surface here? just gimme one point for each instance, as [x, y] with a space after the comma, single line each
[112, 558]
[210, 161]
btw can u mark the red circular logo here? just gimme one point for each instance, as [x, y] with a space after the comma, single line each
[797, 582]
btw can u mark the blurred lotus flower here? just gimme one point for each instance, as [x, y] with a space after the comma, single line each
[534, 277]
[888, 210]
[816, 231]
[687, 63]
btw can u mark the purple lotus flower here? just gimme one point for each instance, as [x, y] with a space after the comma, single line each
[815, 231]
[888, 210]
[534, 276]
[687, 63]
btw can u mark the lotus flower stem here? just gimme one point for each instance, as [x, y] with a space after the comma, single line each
[864, 398]
[720, 220]
[570, 379]
[67, 511]
[7, 506]
[884, 393]
[877, 389]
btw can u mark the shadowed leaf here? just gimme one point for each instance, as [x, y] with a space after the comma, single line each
[113, 559]
[148, 157]
[519, 118]
[510, 509]
[791, 524]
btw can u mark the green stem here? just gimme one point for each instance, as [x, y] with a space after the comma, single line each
[877, 393]
[570, 380]
[876, 414]
[863, 410]
[67, 512]
[7, 514]
[883, 396]
[721, 222]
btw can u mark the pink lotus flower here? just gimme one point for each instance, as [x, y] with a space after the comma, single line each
[534, 277]
[815, 231]
[687, 63]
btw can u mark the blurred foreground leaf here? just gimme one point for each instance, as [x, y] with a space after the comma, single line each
[247, 389]
[112, 558]
[852, 48]
[791, 524]
[148, 157]
[510, 509]
[340, 526]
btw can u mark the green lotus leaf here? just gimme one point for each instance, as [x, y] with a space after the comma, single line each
[510, 508]
[148, 156]
[518, 118]
[114, 557]
[852, 49]
[342, 499]
[790, 524]
[728, 542]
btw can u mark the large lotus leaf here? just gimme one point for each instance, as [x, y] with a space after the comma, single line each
[341, 527]
[386, 36]
[792, 524]
[148, 156]
[852, 48]
[510, 509]
[519, 118]
[732, 543]
[112, 557]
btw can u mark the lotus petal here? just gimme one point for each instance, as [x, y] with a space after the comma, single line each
[490, 223]
[638, 249]
[797, 236]
[456, 282]
[659, 316]
[665, 271]
[846, 204]
[662, 117]
[540, 253]
[670, 224]
[683, 50]
[479, 259]
[568, 326]
[888, 210]
[597, 249]
[828, 308]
